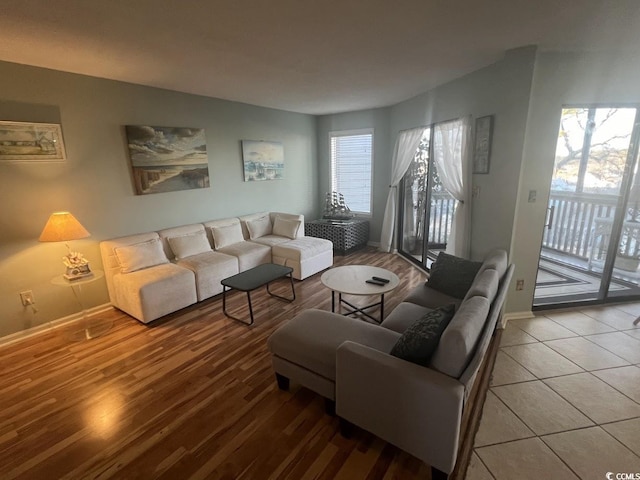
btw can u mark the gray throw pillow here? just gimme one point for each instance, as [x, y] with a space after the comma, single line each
[452, 275]
[418, 343]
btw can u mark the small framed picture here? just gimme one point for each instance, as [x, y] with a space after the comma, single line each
[262, 160]
[31, 142]
[482, 145]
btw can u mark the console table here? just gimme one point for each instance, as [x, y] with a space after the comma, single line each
[346, 235]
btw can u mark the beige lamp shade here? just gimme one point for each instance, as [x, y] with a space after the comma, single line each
[61, 227]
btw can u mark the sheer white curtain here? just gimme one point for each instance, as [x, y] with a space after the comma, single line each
[452, 151]
[406, 146]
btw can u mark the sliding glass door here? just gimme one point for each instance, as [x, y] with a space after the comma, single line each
[591, 243]
[426, 208]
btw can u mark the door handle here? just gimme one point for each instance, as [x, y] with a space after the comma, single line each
[551, 211]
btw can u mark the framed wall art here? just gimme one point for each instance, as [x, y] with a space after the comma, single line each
[262, 160]
[482, 144]
[31, 142]
[167, 159]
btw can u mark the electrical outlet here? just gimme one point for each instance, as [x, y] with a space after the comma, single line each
[27, 298]
[520, 284]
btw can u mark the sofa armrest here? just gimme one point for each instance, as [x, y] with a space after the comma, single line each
[412, 407]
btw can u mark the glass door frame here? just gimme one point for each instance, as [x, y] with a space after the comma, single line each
[618, 219]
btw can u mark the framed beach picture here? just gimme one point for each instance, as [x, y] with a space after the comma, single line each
[167, 159]
[31, 142]
[482, 145]
[262, 160]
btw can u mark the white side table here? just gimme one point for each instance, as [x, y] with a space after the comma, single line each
[89, 329]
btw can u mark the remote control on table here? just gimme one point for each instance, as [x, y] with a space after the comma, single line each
[379, 279]
[376, 282]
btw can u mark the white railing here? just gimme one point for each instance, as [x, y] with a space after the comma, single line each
[580, 225]
[441, 218]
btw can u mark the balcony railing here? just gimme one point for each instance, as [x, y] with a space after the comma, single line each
[441, 218]
[581, 227]
[574, 218]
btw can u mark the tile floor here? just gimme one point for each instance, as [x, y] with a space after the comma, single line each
[564, 398]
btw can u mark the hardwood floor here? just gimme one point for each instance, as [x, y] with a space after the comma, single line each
[190, 396]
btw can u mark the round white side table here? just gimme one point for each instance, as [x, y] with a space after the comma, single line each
[352, 280]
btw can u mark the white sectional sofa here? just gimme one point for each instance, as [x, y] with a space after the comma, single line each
[152, 274]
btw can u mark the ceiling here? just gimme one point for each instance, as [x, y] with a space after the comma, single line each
[308, 56]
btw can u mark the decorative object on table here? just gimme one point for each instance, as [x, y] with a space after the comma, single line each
[63, 227]
[335, 208]
[167, 159]
[33, 142]
[262, 160]
[482, 144]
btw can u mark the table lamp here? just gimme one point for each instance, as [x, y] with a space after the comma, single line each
[62, 227]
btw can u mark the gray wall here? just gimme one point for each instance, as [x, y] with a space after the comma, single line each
[560, 79]
[524, 91]
[95, 181]
[501, 89]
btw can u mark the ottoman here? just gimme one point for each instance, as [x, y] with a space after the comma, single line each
[304, 349]
[306, 255]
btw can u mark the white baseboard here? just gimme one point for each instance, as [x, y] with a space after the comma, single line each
[60, 322]
[515, 316]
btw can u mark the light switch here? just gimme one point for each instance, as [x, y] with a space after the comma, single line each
[532, 196]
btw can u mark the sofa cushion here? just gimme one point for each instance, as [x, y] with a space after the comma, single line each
[259, 227]
[286, 228]
[271, 240]
[225, 235]
[152, 292]
[249, 254]
[302, 248]
[210, 268]
[140, 255]
[485, 284]
[403, 316]
[452, 275]
[425, 296]
[458, 341]
[418, 343]
[187, 245]
[497, 260]
[311, 338]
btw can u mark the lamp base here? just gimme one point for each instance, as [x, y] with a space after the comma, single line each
[77, 273]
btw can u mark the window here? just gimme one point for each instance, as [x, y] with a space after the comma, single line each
[351, 167]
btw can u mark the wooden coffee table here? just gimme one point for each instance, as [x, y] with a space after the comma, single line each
[351, 280]
[252, 279]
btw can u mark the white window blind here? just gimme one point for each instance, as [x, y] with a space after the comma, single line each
[351, 166]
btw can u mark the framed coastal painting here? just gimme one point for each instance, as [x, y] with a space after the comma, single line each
[31, 142]
[482, 145]
[167, 159]
[262, 160]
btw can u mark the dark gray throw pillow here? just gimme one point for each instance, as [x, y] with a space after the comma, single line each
[452, 275]
[420, 340]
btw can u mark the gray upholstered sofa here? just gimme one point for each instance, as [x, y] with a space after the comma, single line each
[152, 274]
[417, 408]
